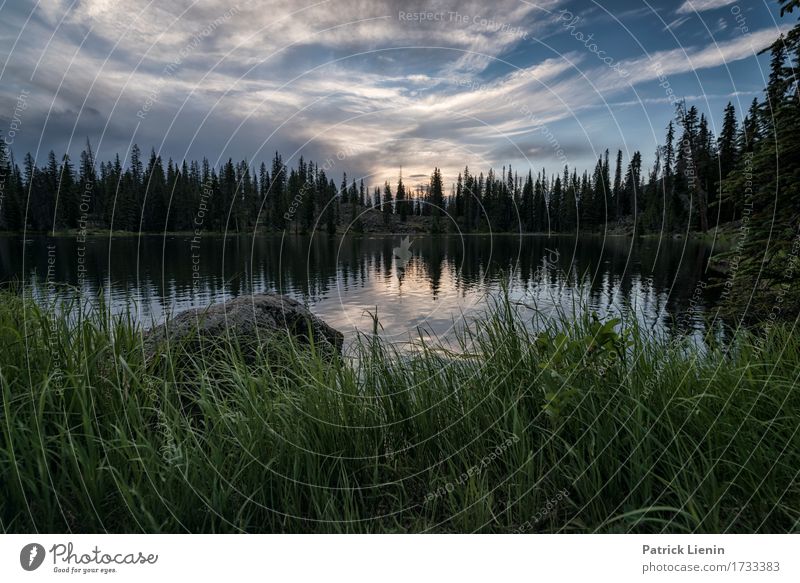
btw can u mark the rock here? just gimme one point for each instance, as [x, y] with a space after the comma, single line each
[251, 320]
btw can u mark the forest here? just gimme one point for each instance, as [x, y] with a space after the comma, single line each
[698, 181]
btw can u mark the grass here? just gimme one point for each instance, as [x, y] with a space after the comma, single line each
[585, 427]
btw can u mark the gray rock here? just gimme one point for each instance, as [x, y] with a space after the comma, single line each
[251, 321]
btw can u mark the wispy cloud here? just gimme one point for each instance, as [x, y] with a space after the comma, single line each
[677, 23]
[692, 6]
[688, 59]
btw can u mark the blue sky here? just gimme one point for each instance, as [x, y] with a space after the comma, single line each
[367, 86]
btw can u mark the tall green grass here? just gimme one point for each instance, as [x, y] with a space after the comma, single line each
[584, 427]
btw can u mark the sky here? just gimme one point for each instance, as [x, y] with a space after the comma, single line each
[369, 86]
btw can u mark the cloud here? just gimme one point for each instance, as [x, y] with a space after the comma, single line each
[324, 78]
[677, 23]
[688, 59]
[266, 75]
[692, 6]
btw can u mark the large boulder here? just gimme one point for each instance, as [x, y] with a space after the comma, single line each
[252, 322]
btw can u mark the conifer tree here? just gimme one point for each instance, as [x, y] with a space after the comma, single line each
[401, 204]
[387, 203]
[617, 189]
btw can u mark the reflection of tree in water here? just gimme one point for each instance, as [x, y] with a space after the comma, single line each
[656, 276]
[402, 256]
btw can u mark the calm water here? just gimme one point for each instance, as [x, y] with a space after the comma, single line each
[428, 285]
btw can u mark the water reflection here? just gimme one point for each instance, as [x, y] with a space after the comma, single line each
[344, 278]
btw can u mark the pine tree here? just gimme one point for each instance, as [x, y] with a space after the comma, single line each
[687, 183]
[555, 202]
[154, 216]
[277, 193]
[669, 155]
[458, 199]
[356, 223]
[263, 190]
[751, 132]
[436, 197]
[331, 208]
[606, 192]
[308, 194]
[651, 215]
[51, 181]
[632, 185]
[567, 209]
[728, 156]
[593, 197]
[617, 190]
[469, 201]
[130, 211]
[527, 211]
[10, 215]
[387, 203]
[540, 219]
[726, 144]
[401, 204]
[83, 198]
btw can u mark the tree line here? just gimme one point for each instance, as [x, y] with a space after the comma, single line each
[695, 184]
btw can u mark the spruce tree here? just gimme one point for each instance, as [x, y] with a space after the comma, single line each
[527, 211]
[401, 204]
[436, 199]
[617, 189]
[387, 203]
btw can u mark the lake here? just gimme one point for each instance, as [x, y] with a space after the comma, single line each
[424, 282]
